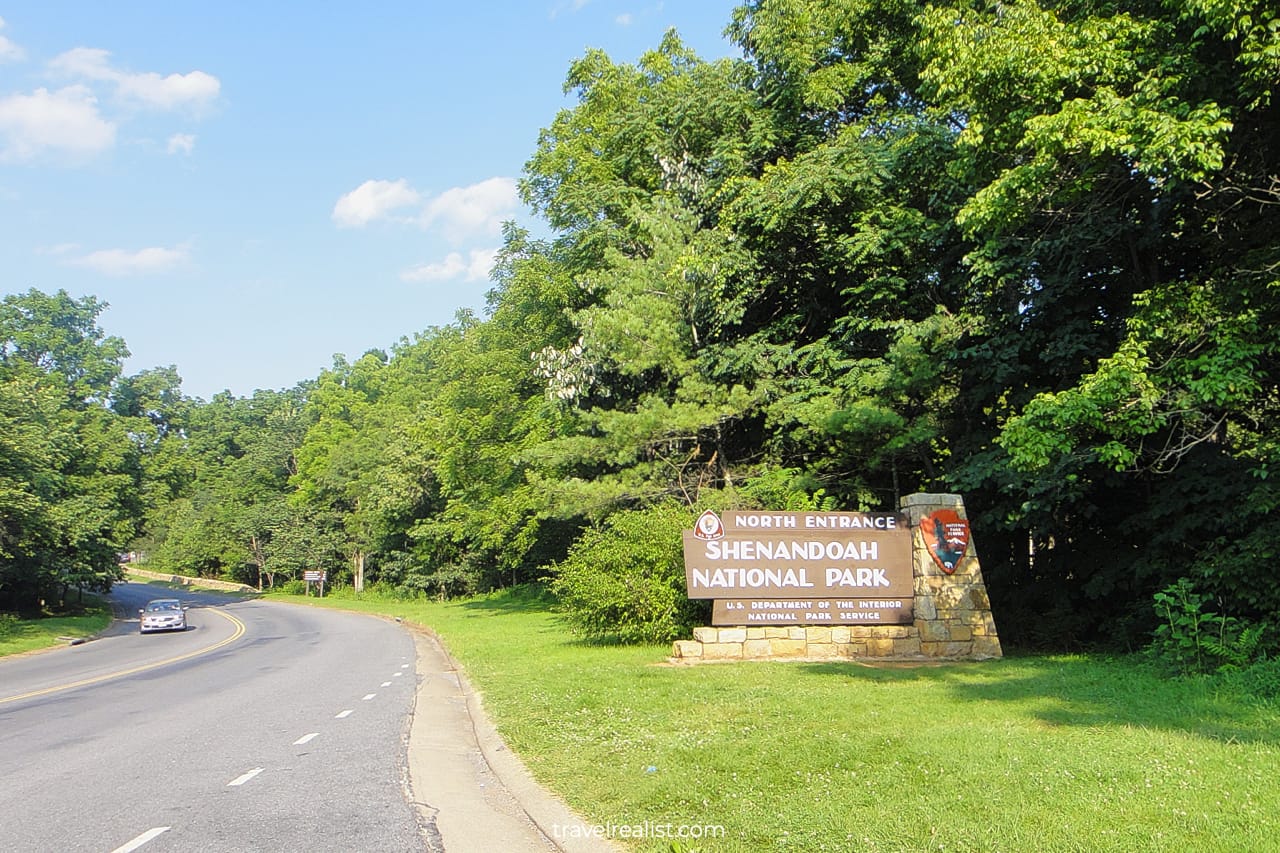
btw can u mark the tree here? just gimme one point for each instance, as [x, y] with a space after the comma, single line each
[68, 473]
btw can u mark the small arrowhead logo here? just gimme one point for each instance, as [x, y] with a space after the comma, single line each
[946, 535]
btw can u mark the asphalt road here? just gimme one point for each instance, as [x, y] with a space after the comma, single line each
[263, 727]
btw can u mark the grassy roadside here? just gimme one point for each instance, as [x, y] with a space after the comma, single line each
[1033, 753]
[28, 635]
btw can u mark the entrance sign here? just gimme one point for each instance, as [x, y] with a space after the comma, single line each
[832, 586]
[834, 568]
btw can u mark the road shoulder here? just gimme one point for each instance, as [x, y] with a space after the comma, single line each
[473, 793]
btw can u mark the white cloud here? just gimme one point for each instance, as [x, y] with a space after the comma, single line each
[373, 200]
[474, 268]
[10, 52]
[182, 143]
[69, 123]
[461, 213]
[119, 262]
[478, 209]
[624, 20]
[66, 121]
[195, 89]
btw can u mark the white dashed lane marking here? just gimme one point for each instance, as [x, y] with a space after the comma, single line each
[142, 839]
[341, 714]
[306, 738]
[368, 696]
[241, 779]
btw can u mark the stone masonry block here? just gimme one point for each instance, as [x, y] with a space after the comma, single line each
[879, 647]
[978, 596]
[787, 648]
[907, 647]
[986, 647]
[688, 649]
[933, 632]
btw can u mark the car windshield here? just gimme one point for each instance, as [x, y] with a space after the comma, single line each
[157, 606]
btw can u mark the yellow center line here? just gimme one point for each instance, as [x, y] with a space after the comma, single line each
[237, 634]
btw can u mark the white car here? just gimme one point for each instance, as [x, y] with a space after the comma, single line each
[162, 614]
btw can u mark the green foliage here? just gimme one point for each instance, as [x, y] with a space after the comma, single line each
[624, 580]
[1260, 679]
[70, 471]
[787, 489]
[1189, 640]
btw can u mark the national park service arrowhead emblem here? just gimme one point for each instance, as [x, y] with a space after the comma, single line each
[946, 535]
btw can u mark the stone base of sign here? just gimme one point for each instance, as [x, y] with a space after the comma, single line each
[952, 617]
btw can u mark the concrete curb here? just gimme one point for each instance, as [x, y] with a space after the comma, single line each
[555, 826]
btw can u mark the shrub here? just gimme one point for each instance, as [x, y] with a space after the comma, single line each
[1190, 640]
[624, 581]
[441, 583]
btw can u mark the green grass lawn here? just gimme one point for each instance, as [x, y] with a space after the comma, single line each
[26, 635]
[1044, 753]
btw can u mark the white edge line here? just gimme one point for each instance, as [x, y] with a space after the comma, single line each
[141, 839]
[307, 738]
[240, 780]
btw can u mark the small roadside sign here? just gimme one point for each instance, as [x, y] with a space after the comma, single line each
[315, 576]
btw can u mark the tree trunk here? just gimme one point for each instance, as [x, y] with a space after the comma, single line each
[357, 574]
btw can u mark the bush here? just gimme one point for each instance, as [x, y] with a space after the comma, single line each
[441, 583]
[624, 581]
[1190, 640]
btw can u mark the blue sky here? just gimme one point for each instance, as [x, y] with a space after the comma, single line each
[254, 187]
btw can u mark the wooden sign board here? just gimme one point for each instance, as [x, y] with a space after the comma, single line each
[799, 555]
